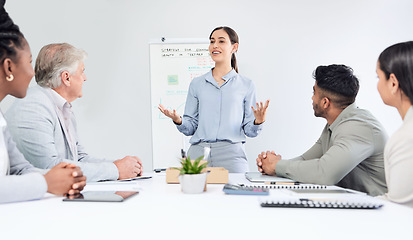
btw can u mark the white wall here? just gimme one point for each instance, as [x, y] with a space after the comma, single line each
[281, 43]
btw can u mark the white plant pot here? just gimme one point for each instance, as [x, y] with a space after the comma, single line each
[193, 183]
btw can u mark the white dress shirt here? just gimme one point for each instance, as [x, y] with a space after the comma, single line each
[64, 110]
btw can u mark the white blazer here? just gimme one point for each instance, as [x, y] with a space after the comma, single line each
[398, 163]
[25, 182]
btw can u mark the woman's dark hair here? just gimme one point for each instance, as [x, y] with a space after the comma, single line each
[339, 82]
[233, 36]
[10, 35]
[398, 59]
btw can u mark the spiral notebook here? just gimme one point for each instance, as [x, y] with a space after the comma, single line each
[287, 186]
[327, 197]
[322, 203]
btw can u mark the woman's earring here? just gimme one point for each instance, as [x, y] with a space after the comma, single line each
[10, 78]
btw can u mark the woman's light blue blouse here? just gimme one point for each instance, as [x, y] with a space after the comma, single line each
[214, 113]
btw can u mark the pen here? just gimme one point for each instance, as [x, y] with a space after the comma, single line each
[282, 183]
[135, 178]
[183, 154]
[158, 170]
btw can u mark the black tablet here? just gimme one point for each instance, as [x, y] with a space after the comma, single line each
[101, 196]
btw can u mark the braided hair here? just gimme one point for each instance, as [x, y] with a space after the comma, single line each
[10, 35]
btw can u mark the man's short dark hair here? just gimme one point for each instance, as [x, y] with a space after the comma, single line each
[338, 82]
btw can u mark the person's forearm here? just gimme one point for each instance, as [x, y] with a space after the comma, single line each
[14, 188]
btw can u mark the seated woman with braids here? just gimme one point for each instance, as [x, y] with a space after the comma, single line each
[19, 180]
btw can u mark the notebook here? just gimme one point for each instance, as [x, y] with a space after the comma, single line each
[101, 196]
[287, 186]
[330, 197]
[322, 203]
[259, 177]
[128, 179]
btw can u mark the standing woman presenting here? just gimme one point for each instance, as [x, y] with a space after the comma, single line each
[395, 73]
[219, 111]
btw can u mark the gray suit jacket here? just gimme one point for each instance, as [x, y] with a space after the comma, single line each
[349, 153]
[25, 182]
[39, 133]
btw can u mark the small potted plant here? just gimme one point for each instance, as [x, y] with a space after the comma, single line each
[191, 177]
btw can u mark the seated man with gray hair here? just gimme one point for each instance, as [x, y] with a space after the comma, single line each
[44, 126]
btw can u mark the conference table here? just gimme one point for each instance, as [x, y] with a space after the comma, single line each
[162, 211]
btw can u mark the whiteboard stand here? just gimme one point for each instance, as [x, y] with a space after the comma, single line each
[173, 65]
